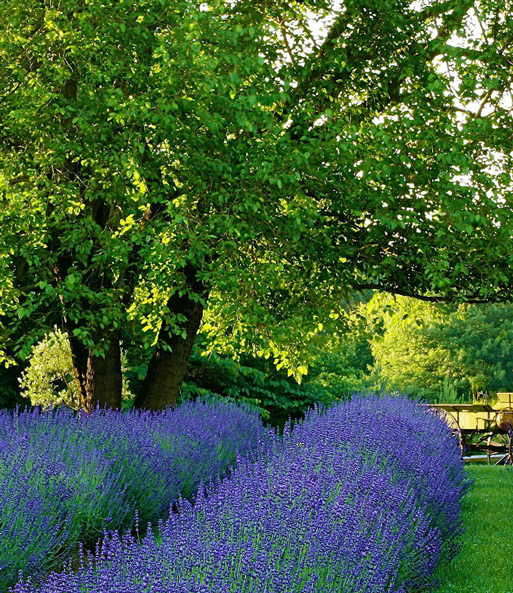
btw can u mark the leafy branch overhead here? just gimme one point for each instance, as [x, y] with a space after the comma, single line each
[160, 158]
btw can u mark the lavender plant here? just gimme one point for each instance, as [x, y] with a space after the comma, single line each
[314, 536]
[109, 464]
[46, 505]
[409, 439]
[29, 487]
[325, 509]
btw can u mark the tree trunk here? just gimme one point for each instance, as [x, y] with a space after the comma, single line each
[99, 379]
[167, 368]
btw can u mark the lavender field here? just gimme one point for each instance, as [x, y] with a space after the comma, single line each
[364, 496]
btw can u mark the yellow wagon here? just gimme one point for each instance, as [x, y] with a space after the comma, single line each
[482, 428]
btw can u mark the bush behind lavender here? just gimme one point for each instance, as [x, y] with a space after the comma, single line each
[344, 503]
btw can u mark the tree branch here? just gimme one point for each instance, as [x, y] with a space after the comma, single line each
[472, 298]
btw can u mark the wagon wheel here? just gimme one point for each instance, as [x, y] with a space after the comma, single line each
[503, 441]
[452, 423]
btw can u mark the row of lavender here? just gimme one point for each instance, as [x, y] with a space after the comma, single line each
[363, 498]
[64, 478]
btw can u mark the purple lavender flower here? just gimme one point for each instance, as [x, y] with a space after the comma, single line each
[357, 499]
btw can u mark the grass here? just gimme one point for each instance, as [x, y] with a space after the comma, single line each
[485, 563]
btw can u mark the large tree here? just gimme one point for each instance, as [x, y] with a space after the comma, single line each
[160, 159]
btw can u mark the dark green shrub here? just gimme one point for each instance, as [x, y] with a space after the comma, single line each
[255, 382]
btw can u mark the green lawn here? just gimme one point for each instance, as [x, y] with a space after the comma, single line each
[485, 563]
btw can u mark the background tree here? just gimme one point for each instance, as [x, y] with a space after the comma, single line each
[157, 157]
[427, 350]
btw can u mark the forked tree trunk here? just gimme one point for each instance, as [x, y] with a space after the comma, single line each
[99, 379]
[166, 371]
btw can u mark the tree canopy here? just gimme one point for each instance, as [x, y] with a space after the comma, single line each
[159, 159]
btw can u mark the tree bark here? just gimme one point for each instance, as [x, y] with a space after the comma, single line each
[166, 371]
[99, 379]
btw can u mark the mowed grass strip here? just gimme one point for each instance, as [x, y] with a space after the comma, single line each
[485, 563]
